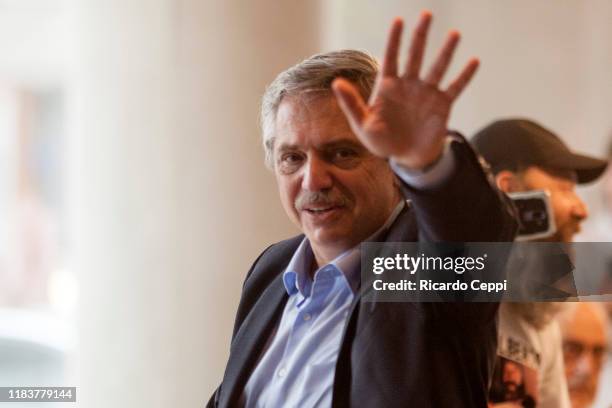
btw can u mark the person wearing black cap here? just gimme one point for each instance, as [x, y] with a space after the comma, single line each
[524, 156]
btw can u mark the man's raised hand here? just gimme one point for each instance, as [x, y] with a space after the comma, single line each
[406, 116]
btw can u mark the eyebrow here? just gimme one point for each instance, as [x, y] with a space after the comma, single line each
[325, 146]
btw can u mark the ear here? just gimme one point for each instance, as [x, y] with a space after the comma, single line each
[507, 181]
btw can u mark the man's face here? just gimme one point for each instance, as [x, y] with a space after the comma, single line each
[330, 185]
[569, 210]
[584, 349]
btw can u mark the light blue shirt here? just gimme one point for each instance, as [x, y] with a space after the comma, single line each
[298, 366]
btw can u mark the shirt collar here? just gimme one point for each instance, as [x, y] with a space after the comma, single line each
[296, 277]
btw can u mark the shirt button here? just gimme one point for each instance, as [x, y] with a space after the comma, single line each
[282, 372]
[307, 316]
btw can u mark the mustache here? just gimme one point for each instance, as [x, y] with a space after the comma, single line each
[326, 198]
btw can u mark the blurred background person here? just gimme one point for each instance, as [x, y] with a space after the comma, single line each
[585, 334]
[595, 261]
[525, 156]
[599, 227]
[604, 391]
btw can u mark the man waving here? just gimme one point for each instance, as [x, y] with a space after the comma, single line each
[364, 154]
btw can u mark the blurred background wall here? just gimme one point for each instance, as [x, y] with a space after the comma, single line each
[131, 159]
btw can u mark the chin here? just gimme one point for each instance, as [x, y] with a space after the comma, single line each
[567, 232]
[581, 402]
[331, 237]
[328, 237]
[567, 237]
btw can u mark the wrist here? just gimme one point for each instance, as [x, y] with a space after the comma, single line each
[421, 162]
[431, 176]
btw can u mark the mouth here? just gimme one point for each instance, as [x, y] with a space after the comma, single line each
[323, 213]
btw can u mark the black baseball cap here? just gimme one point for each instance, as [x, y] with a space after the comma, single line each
[513, 144]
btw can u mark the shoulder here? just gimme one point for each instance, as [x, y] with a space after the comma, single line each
[270, 263]
[268, 266]
[276, 255]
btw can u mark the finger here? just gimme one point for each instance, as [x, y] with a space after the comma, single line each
[417, 46]
[351, 102]
[459, 84]
[439, 68]
[389, 66]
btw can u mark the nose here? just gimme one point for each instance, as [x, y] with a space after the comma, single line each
[579, 209]
[316, 176]
[584, 366]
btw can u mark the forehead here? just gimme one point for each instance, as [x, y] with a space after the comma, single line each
[543, 177]
[586, 326]
[311, 120]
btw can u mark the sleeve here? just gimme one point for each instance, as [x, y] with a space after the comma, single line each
[465, 206]
[432, 176]
[214, 399]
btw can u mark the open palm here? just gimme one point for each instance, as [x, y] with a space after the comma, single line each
[406, 116]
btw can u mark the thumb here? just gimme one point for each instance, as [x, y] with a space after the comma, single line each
[351, 102]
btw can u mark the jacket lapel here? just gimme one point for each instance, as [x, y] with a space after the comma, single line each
[250, 340]
[404, 229]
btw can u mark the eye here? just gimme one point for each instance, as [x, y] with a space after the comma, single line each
[289, 162]
[599, 352]
[291, 158]
[344, 157]
[572, 349]
[344, 154]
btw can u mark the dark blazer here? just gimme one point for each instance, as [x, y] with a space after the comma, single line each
[394, 354]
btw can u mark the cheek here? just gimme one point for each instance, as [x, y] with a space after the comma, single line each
[288, 190]
[382, 183]
[561, 208]
[374, 189]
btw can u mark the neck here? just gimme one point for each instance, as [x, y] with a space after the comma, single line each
[324, 255]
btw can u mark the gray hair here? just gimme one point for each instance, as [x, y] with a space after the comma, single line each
[314, 74]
